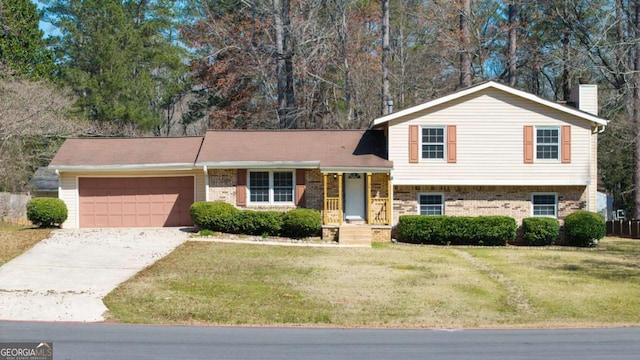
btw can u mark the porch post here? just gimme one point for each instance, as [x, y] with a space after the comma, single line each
[369, 198]
[340, 197]
[324, 203]
[389, 197]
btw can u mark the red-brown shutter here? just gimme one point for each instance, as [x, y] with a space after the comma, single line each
[451, 144]
[566, 144]
[241, 188]
[528, 144]
[300, 187]
[414, 142]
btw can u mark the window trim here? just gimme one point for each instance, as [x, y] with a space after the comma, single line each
[271, 201]
[555, 205]
[444, 142]
[558, 144]
[442, 204]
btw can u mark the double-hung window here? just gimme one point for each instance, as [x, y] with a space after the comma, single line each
[545, 204]
[547, 143]
[271, 187]
[431, 204]
[433, 143]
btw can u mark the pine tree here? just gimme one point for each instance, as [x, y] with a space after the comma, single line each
[22, 47]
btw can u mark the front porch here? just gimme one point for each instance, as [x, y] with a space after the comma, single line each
[357, 207]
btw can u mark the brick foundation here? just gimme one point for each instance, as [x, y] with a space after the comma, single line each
[514, 201]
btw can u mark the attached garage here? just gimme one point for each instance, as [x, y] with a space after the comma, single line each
[129, 182]
[135, 201]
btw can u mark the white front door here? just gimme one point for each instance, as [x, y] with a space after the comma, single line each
[354, 199]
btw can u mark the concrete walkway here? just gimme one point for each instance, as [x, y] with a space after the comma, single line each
[65, 277]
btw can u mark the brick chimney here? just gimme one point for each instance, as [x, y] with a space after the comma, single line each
[585, 97]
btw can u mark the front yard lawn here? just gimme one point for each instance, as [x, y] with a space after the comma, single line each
[389, 285]
[15, 239]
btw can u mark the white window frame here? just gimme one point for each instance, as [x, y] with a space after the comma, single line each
[271, 188]
[444, 143]
[558, 144]
[555, 205]
[431, 194]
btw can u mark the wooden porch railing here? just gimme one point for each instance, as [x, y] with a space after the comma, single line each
[332, 211]
[379, 211]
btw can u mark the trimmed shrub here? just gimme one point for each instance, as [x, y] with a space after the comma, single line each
[214, 216]
[495, 230]
[456, 230]
[251, 222]
[540, 231]
[301, 223]
[584, 228]
[46, 212]
[420, 229]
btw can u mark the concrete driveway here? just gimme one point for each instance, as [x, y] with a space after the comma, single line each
[65, 277]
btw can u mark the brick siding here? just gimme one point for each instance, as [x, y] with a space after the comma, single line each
[514, 201]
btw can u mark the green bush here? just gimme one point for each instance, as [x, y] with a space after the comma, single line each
[495, 230]
[540, 231]
[214, 216]
[420, 229]
[584, 228]
[456, 230]
[46, 212]
[257, 222]
[301, 223]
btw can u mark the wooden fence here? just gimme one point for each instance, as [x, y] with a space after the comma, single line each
[624, 228]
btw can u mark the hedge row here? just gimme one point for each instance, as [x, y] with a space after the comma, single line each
[223, 217]
[581, 228]
[457, 230]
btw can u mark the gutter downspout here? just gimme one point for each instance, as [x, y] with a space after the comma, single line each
[206, 183]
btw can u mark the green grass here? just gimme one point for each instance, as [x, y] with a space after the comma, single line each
[16, 239]
[389, 285]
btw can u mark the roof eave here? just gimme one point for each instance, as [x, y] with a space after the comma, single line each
[121, 167]
[355, 169]
[260, 164]
[490, 84]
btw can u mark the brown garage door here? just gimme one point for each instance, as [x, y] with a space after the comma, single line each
[135, 202]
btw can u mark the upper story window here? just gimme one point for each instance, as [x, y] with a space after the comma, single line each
[547, 143]
[271, 187]
[433, 143]
[431, 204]
[545, 204]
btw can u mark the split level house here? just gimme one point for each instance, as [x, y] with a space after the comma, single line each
[486, 150]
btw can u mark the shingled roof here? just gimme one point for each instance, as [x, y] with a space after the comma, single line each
[327, 149]
[96, 153]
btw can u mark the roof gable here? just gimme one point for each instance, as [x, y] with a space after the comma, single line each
[481, 87]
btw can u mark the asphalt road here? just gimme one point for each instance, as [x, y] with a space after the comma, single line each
[109, 341]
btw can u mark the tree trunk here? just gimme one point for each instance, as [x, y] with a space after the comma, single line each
[348, 87]
[386, 96]
[465, 41]
[566, 54]
[513, 13]
[284, 64]
[636, 111]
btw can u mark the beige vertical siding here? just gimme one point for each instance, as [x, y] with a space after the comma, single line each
[68, 191]
[490, 144]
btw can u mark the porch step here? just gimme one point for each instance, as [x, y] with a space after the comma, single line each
[354, 235]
